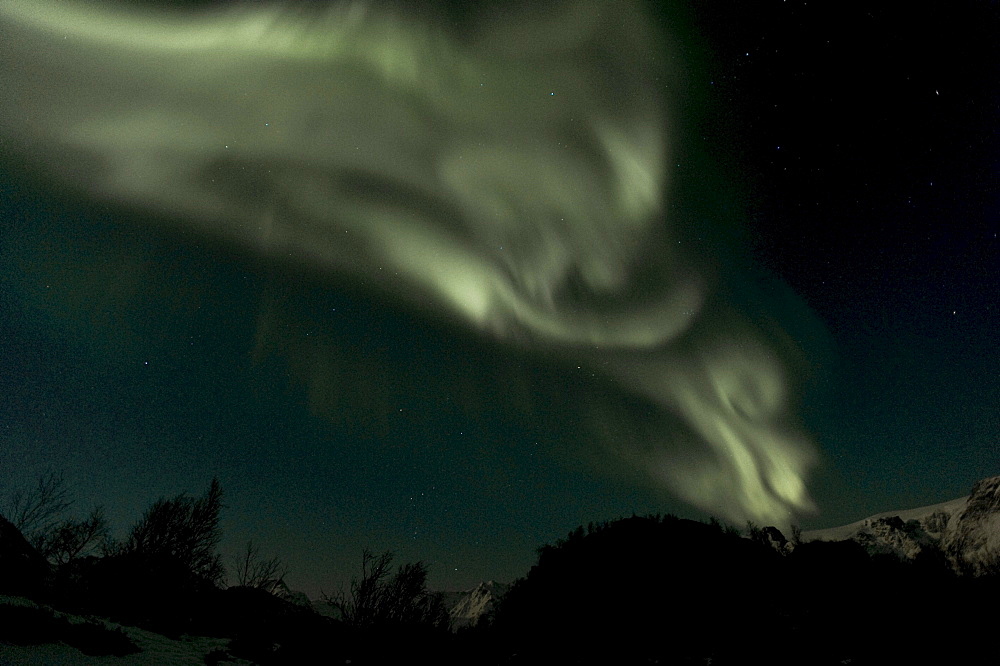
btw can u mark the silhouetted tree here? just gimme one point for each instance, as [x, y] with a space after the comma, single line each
[757, 534]
[165, 574]
[381, 598]
[725, 528]
[252, 571]
[639, 589]
[36, 512]
[184, 530]
[72, 538]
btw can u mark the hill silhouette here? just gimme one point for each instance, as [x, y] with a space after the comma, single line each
[637, 590]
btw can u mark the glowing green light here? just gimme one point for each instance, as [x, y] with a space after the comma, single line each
[386, 159]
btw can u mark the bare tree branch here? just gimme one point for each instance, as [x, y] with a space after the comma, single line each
[183, 529]
[73, 538]
[38, 510]
[382, 598]
[252, 571]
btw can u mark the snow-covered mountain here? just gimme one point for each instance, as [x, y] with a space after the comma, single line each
[965, 530]
[466, 607]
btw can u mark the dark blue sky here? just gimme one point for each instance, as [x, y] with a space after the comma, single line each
[872, 161]
[855, 146]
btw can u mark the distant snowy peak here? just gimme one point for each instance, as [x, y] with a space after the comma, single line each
[281, 590]
[468, 606]
[966, 530]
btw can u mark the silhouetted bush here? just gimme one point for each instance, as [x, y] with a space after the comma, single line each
[162, 577]
[252, 570]
[380, 598]
[392, 615]
[640, 589]
[184, 530]
[73, 538]
[37, 513]
[155, 592]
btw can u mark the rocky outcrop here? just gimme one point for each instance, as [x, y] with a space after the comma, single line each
[966, 531]
[466, 608]
[775, 539]
[972, 540]
[892, 536]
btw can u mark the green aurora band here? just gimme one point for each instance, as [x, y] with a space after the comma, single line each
[511, 176]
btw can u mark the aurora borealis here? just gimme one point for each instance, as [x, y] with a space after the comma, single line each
[394, 275]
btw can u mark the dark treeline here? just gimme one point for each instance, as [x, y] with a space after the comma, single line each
[638, 590]
[667, 590]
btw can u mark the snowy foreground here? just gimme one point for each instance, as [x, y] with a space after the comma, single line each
[155, 649]
[465, 609]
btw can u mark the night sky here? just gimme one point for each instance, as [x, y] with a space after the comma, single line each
[834, 167]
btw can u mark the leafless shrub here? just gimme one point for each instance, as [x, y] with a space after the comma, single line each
[38, 510]
[183, 529]
[382, 598]
[72, 538]
[252, 571]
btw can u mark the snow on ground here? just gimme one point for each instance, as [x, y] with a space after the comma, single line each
[156, 649]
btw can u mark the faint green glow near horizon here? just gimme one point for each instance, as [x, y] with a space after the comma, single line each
[443, 170]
